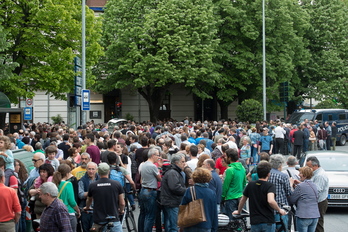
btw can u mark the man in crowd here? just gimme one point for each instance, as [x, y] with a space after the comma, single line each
[266, 142]
[55, 216]
[108, 199]
[148, 193]
[262, 203]
[329, 133]
[215, 183]
[279, 134]
[89, 177]
[10, 212]
[193, 155]
[81, 170]
[334, 131]
[322, 182]
[281, 183]
[234, 183]
[92, 149]
[38, 160]
[172, 190]
[111, 148]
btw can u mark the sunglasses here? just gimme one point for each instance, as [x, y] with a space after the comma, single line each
[34, 160]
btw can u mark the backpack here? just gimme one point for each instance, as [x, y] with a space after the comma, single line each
[116, 174]
[20, 193]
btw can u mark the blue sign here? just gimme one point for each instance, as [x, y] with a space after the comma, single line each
[28, 113]
[86, 104]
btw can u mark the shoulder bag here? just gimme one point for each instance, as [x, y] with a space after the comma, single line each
[192, 213]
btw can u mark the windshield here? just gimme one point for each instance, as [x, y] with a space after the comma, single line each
[334, 163]
[298, 117]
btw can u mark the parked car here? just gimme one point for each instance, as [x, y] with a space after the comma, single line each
[112, 123]
[335, 164]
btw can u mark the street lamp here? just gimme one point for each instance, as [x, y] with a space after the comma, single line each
[264, 60]
[83, 54]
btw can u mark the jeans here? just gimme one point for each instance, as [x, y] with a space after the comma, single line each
[263, 227]
[148, 207]
[230, 206]
[305, 145]
[171, 218]
[285, 219]
[73, 222]
[86, 221]
[116, 228]
[130, 197]
[254, 155]
[306, 224]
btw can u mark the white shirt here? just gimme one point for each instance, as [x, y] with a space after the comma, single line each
[279, 132]
[192, 164]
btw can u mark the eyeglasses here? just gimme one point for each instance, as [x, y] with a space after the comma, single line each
[84, 158]
[34, 160]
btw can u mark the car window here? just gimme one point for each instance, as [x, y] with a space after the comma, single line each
[334, 163]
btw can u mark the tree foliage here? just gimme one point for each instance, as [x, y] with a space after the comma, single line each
[44, 38]
[150, 45]
[250, 110]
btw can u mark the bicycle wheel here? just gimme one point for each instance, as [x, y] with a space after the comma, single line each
[130, 222]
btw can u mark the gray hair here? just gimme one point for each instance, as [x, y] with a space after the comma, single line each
[41, 156]
[152, 151]
[86, 154]
[50, 188]
[211, 163]
[2, 174]
[276, 161]
[177, 157]
[314, 160]
[292, 161]
[96, 165]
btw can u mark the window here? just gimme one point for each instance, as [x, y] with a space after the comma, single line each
[342, 116]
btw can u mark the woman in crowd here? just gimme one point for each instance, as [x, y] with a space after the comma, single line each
[305, 197]
[46, 172]
[255, 140]
[66, 190]
[245, 151]
[201, 177]
[22, 173]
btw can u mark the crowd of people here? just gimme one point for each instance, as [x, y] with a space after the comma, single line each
[82, 176]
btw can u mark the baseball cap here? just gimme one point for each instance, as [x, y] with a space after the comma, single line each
[103, 168]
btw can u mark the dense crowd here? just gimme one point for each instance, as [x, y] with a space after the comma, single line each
[91, 170]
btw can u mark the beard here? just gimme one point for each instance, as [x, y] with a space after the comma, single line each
[83, 165]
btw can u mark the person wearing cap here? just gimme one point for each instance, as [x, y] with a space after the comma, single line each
[108, 199]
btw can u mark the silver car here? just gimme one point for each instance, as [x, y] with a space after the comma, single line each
[335, 164]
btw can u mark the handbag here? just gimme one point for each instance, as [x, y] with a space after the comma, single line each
[192, 213]
[61, 190]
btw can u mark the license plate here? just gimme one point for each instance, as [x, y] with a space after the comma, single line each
[338, 196]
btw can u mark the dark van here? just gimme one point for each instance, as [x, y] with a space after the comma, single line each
[340, 116]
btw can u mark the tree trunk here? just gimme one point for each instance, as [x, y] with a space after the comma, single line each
[154, 97]
[224, 109]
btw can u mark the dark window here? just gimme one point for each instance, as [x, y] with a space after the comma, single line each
[330, 117]
[342, 116]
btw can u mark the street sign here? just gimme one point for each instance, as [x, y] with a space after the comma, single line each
[29, 102]
[86, 99]
[28, 113]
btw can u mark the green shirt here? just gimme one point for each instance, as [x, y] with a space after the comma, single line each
[234, 182]
[67, 195]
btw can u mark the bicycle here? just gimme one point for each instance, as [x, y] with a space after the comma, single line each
[280, 223]
[128, 216]
[237, 225]
[108, 225]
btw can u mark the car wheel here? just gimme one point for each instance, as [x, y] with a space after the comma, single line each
[343, 140]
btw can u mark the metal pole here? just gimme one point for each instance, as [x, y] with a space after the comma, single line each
[83, 53]
[264, 60]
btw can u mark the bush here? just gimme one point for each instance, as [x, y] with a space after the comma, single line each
[250, 110]
[328, 104]
[57, 119]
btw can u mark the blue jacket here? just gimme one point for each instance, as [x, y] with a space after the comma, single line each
[210, 208]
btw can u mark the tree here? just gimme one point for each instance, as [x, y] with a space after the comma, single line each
[250, 110]
[326, 74]
[44, 38]
[240, 49]
[151, 45]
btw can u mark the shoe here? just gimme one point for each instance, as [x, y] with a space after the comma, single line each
[133, 207]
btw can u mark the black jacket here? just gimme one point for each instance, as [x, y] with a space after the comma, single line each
[172, 187]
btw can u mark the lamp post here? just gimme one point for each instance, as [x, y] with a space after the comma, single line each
[83, 58]
[264, 60]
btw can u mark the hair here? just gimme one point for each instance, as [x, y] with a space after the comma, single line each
[314, 160]
[111, 143]
[201, 159]
[50, 188]
[183, 146]
[50, 149]
[7, 142]
[193, 150]
[263, 168]
[201, 146]
[201, 175]
[86, 154]
[48, 168]
[41, 156]
[26, 140]
[66, 137]
[292, 161]
[90, 136]
[38, 146]
[112, 158]
[133, 147]
[177, 157]
[151, 152]
[224, 147]
[276, 161]
[23, 172]
[306, 172]
[232, 154]
[27, 148]
[211, 163]
[144, 141]
[264, 156]
[72, 151]
[2, 174]
[62, 171]
[68, 162]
